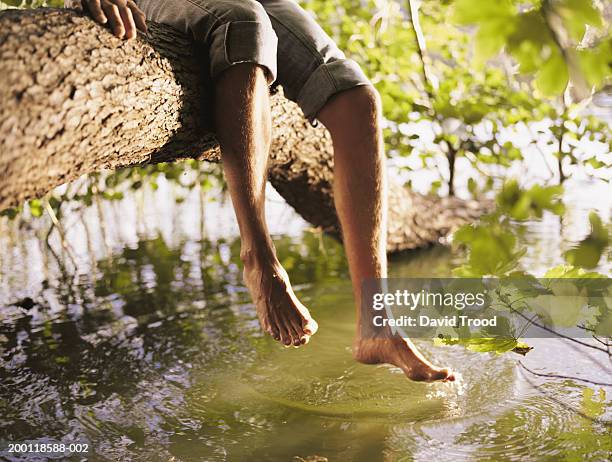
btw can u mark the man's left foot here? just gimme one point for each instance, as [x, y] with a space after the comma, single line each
[401, 353]
[280, 312]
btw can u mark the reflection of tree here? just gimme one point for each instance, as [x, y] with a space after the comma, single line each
[571, 430]
[586, 437]
[143, 311]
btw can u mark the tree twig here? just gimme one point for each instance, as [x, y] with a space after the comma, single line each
[428, 82]
[558, 376]
[552, 331]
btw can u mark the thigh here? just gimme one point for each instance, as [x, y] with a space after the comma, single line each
[311, 68]
[233, 31]
[194, 17]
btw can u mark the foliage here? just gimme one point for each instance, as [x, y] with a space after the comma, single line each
[583, 434]
[445, 100]
[456, 77]
[493, 251]
[113, 186]
[544, 37]
[558, 43]
[589, 251]
[492, 243]
[496, 345]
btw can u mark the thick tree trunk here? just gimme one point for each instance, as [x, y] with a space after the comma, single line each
[74, 100]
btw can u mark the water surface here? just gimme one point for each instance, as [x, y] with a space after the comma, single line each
[141, 340]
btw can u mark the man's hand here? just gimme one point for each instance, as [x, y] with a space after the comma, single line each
[122, 16]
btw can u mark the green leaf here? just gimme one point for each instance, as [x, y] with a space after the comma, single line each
[522, 348]
[36, 208]
[493, 249]
[564, 307]
[530, 40]
[482, 345]
[11, 213]
[568, 271]
[595, 62]
[489, 41]
[588, 252]
[469, 12]
[472, 186]
[523, 204]
[553, 77]
[576, 15]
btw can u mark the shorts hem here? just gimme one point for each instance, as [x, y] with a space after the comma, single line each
[327, 80]
[245, 42]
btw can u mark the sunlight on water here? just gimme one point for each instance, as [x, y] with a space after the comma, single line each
[154, 351]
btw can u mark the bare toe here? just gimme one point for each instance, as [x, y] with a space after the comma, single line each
[285, 336]
[430, 374]
[274, 328]
[310, 326]
[293, 333]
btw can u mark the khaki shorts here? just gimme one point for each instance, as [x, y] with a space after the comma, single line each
[275, 34]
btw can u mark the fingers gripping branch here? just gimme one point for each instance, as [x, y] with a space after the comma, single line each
[122, 16]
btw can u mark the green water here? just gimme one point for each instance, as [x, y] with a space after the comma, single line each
[152, 351]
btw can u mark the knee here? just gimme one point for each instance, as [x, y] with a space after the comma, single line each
[365, 99]
[361, 101]
[357, 107]
[243, 34]
[353, 120]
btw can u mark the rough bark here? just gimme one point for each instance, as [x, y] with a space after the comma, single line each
[75, 100]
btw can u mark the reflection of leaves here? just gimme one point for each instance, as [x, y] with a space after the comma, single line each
[593, 406]
[588, 252]
[522, 204]
[493, 249]
[585, 436]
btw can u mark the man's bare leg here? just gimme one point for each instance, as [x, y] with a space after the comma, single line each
[352, 117]
[244, 129]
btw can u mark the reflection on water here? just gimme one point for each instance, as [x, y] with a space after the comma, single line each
[153, 351]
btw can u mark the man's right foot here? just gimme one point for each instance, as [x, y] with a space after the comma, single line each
[401, 353]
[280, 312]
